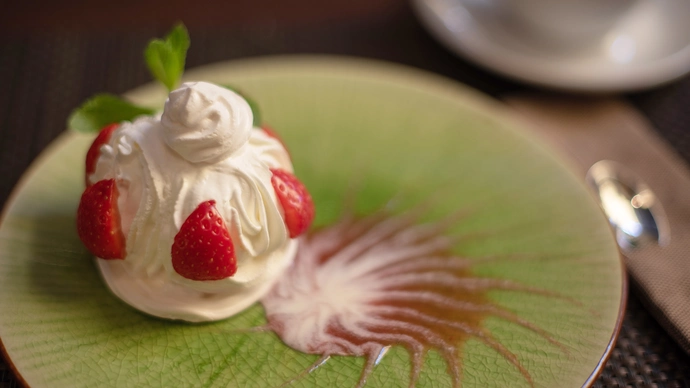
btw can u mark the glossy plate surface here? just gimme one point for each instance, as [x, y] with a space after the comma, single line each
[388, 134]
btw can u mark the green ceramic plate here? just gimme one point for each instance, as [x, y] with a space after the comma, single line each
[385, 135]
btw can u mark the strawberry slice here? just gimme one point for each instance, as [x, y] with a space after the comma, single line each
[95, 149]
[202, 249]
[98, 221]
[298, 207]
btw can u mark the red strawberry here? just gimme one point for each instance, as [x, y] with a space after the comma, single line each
[298, 207]
[98, 221]
[202, 249]
[92, 155]
[271, 133]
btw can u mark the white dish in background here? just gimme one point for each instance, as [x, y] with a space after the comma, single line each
[648, 46]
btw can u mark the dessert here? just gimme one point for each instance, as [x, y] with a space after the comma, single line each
[192, 212]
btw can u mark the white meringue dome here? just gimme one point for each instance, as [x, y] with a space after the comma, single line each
[202, 148]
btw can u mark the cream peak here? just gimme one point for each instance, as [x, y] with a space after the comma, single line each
[204, 122]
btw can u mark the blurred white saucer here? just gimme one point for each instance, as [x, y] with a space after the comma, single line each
[648, 46]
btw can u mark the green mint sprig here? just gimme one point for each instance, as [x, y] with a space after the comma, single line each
[103, 109]
[165, 59]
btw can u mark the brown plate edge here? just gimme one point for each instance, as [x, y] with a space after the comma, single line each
[616, 331]
[19, 378]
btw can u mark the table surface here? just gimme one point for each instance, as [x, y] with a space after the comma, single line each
[53, 55]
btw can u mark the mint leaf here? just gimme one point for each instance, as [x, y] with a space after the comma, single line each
[101, 110]
[256, 112]
[166, 58]
[179, 40]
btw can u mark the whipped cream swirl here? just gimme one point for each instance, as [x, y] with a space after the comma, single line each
[202, 147]
[206, 123]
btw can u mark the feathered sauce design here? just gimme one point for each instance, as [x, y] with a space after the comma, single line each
[360, 286]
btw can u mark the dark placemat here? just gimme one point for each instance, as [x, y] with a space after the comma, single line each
[644, 356]
[45, 75]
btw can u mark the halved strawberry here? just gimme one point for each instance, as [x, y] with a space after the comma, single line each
[98, 221]
[298, 207]
[92, 155]
[202, 249]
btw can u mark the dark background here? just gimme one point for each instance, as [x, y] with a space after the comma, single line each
[55, 54]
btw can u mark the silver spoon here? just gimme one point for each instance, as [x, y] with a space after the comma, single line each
[633, 210]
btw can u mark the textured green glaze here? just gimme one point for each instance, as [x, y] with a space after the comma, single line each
[378, 131]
